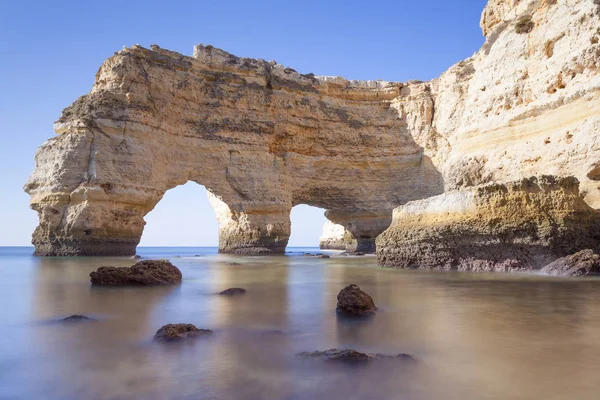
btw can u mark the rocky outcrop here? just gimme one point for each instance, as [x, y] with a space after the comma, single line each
[352, 356]
[353, 302]
[521, 225]
[233, 292]
[77, 318]
[262, 137]
[147, 272]
[336, 237]
[582, 263]
[177, 332]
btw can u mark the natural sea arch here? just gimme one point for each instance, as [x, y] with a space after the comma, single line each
[260, 137]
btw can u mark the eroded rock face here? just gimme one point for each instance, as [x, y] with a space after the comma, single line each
[147, 272]
[353, 302]
[583, 263]
[263, 138]
[517, 226]
[178, 332]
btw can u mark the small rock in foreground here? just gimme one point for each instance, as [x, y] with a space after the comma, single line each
[351, 355]
[353, 302]
[582, 263]
[174, 332]
[147, 272]
[233, 291]
[77, 318]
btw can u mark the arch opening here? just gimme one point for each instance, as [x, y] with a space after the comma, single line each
[306, 226]
[184, 217]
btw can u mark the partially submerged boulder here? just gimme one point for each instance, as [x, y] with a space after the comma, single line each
[353, 302]
[233, 291]
[583, 263]
[514, 226]
[176, 332]
[147, 272]
[77, 318]
[352, 356]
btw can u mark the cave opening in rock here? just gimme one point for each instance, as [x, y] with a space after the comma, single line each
[182, 218]
[307, 225]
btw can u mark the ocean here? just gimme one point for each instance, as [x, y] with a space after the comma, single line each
[474, 336]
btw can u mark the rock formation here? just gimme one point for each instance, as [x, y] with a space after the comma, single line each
[583, 263]
[177, 332]
[352, 356]
[233, 292]
[147, 272]
[336, 237]
[263, 138]
[522, 225]
[353, 302]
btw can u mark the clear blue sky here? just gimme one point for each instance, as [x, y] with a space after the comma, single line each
[51, 50]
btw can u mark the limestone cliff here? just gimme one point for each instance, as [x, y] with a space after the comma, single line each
[525, 104]
[262, 137]
[521, 225]
[336, 237]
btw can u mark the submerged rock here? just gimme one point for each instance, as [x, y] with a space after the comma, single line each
[233, 291]
[583, 263]
[147, 272]
[353, 302]
[351, 355]
[317, 255]
[77, 318]
[174, 332]
[502, 227]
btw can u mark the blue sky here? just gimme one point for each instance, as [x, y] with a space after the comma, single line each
[51, 50]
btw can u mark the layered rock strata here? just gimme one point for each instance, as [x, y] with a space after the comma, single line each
[522, 225]
[336, 237]
[262, 137]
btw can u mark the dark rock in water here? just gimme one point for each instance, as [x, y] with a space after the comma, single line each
[77, 318]
[233, 291]
[352, 356]
[147, 272]
[582, 263]
[174, 332]
[317, 255]
[351, 301]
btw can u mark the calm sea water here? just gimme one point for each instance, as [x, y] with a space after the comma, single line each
[476, 336]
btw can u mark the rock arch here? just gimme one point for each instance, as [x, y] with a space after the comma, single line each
[263, 138]
[260, 137]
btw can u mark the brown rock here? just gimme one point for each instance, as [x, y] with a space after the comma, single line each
[147, 272]
[351, 301]
[174, 332]
[77, 318]
[582, 263]
[233, 291]
[351, 355]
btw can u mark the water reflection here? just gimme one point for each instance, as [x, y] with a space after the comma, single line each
[475, 335]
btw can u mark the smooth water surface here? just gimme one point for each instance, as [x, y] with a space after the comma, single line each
[476, 336]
